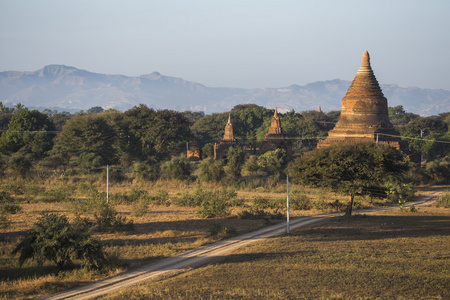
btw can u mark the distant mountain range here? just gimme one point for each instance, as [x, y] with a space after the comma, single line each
[71, 89]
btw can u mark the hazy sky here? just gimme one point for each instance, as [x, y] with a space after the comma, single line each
[233, 43]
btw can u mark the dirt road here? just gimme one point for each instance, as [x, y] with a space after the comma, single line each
[195, 258]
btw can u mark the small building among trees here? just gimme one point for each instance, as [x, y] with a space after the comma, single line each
[221, 149]
[275, 139]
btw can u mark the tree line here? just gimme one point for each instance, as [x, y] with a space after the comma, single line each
[145, 139]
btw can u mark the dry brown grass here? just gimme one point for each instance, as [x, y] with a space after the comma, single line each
[388, 255]
[162, 231]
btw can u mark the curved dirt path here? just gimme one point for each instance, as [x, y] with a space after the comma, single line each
[197, 257]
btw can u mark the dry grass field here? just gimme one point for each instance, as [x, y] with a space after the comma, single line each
[390, 255]
[160, 230]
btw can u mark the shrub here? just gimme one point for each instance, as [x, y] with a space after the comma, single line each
[115, 175]
[20, 164]
[398, 192]
[9, 208]
[161, 197]
[273, 162]
[88, 189]
[237, 202]
[444, 200]
[260, 203]
[193, 200]
[15, 189]
[149, 170]
[202, 198]
[251, 165]
[31, 191]
[177, 168]
[6, 197]
[320, 204]
[4, 221]
[208, 149]
[184, 199]
[58, 194]
[107, 219]
[299, 201]
[336, 205]
[236, 159]
[214, 207]
[218, 228]
[438, 171]
[211, 170]
[89, 160]
[53, 239]
[132, 196]
[139, 208]
[259, 214]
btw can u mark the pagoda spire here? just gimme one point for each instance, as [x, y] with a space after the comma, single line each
[364, 110]
[229, 134]
[275, 125]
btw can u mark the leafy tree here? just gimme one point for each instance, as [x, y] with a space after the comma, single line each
[193, 116]
[177, 168]
[289, 123]
[211, 170]
[315, 126]
[20, 163]
[351, 169]
[95, 110]
[274, 162]
[236, 159]
[424, 132]
[214, 204]
[158, 134]
[107, 219]
[208, 149]
[399, 117]
[60, 119]
[54, 239]
[90, 138]
[18, 107]
[28, 131]
[3, 160]
[4, 109]
[252, 123]
[251, 164]
[210, 128]
[5, 118]
[148, 170]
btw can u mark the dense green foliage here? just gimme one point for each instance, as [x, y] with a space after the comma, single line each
[211, 170]
[351, 169]
[54, 239]
[30, 132]
[177, 168]
[236, 159]
[147, 142]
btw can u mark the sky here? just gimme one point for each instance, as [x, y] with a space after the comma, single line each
[233, 43]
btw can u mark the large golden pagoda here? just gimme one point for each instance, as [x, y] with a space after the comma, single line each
[364, 113]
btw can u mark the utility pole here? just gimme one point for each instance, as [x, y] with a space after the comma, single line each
[287, 204]
[107, 185]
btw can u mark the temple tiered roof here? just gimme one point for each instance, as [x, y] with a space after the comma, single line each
[275, 138]
[221, 149]
[364, 112]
